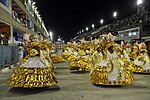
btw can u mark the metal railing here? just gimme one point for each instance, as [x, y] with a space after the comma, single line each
[8, 55]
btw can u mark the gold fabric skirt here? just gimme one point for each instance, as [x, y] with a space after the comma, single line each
[79, 64]
[32, 77]
[139, 69]
[84, 64]
[65, 56]
[99, 76]
[73, 65]
[57, 59]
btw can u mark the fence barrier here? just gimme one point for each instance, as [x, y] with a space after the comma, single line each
[8, 55]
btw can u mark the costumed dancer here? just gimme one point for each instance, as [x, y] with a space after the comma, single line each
[56, 55]
[35, 70]
[142, 62]
[82, 57]
[56, 58]
[45, 52]
[74, 58]
[68, 48]
[135, 51]
[111, 69]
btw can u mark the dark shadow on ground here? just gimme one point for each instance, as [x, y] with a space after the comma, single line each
[61, 67]
[80, 72]
[129, 86]
[143, 73]
[108, 86]
[30, 91]
[59, 62]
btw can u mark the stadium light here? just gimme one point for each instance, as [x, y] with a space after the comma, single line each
[102, 21]
[115, 14]
[139, 2]
[93, 26]
[87, 28]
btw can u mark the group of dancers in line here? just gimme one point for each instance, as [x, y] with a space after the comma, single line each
[109, 63]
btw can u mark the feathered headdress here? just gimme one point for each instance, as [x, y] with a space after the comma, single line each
[110, 37]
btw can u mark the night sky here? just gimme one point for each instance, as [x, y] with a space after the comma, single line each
[67, 17]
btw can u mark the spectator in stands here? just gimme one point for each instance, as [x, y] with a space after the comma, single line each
[3, 39]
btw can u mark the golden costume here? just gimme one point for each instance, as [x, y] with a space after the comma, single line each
[135, 52]
[80, 59]
[57, 59]
[85, 60]
[73, 58]
[67, 52]
[142, 63]
[111, 69]
[36, 70]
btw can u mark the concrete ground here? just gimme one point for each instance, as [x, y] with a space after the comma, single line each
[76, 86]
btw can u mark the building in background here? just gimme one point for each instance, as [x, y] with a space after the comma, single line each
[18, 18]
[134, 27]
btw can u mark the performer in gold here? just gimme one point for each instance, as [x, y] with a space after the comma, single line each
[128, 48]
[135, 51]
[111, 70]
[85, 60]
[35, 70]
[142, 62]
[56, 54]
[56, 58]
[81, 57]
[68, 50]
[74, 57]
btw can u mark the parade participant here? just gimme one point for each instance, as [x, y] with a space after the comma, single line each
[68, 50]
[111, 70]
[46, 54]
[85, 59]
[56, 53]
[74, 58]
[56, 58]
[35, 70]
[97, 55]
[142, 62]
[20, 52]
[128, 48]
[71, 51]
[82, 57]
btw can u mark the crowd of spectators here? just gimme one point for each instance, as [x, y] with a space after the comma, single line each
[127, 23]
[132, 21]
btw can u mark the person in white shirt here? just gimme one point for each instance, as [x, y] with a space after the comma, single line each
[20, 52]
